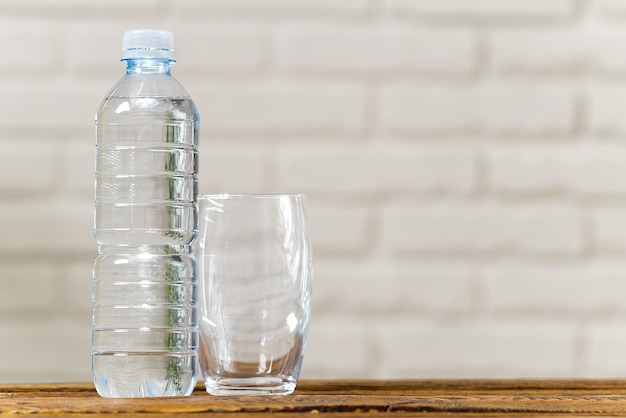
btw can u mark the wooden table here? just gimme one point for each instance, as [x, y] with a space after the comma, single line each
[342, 398]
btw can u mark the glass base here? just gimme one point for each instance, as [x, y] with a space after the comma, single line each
[254, 386]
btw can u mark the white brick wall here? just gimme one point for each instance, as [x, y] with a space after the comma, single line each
[486, 108]
[366, 49]
[582, 169]
[464, 162]
[505, 348]
[473, 229]
[277, 107]
[466, 10]
[323, 168]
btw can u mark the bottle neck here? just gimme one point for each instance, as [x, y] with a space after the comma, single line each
[148, 65]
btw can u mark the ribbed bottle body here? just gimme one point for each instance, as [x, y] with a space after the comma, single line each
[144, 289]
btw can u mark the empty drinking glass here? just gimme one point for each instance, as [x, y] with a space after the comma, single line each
[255, 274]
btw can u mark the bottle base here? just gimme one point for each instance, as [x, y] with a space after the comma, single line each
[144, 375]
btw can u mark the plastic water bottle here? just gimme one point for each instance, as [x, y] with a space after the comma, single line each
[144, 293]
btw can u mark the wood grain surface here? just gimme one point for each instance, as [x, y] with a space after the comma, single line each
[342, 398]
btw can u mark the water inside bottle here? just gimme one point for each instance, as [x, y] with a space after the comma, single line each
[144, 318]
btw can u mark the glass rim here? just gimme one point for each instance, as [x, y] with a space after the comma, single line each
[209, 196]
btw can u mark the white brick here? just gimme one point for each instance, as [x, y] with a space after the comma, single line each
[606, 109]
[581, 288]
[326, 356]
[232, 47]
[606, 344]
[30, 45]
[558, 50]
[392, 288]
[54, 227]
[76, 285]
[537, 50]
[378, 169]
[45, 350]
[482, 228]
[591, 169]
[201, 8]
[604, 48]
[516, 349]
[239, 168]
[609, 229]
[41, 105]
[388, 48]
[29, 287]
[79, 9]
[490, 108]
[36, 162]
[338, 230]
[282, 108]
[79, 166]
[485, 9]
[610, 9]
